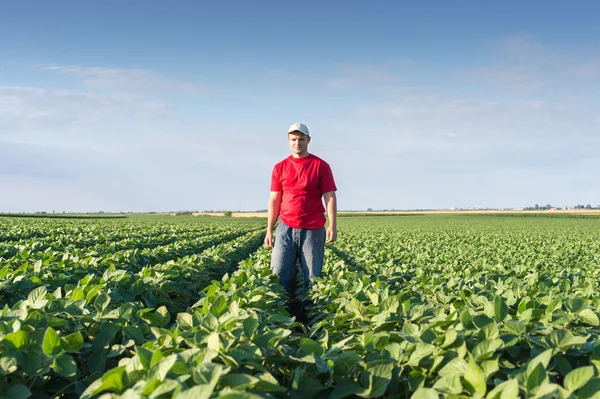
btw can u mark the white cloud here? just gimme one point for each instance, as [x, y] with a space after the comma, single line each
[34, 103]
[520, 66]
[499, 133]
[439, 135]
[126, 80]
[91, 151]
[474, 118]
[30, 108]
[523, 65]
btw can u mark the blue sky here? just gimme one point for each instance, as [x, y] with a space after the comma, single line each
[157, 106]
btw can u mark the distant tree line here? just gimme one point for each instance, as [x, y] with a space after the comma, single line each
[536, 207]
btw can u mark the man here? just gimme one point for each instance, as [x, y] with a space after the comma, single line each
[298, 185]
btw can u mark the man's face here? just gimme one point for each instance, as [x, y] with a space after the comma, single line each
[298, 143]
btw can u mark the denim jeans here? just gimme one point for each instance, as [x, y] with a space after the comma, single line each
[292, 244]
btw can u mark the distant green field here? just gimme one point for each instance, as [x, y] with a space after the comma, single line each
[408, 306]
[60, 216]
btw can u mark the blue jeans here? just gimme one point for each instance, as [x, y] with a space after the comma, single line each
[293, 244]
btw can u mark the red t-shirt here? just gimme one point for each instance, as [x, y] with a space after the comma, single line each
[303, 182]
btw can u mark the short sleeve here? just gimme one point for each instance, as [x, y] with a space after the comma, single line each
[276, 180]
[326, 182]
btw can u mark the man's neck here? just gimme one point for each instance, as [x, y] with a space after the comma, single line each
[303, 155]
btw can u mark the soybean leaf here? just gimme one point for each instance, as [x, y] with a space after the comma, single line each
[475, 379]
[238, 381]
[506, 390]
[135, 333]
[515, 326]
[36, 295]
[549, 390]
[381, 375]
[563, 339]
[51, 343]
[102, 301]
[456, 366]
[167, 386]
[449, 384]
[161, 369]
[238, 395]
[157, 356]
[72, 342]
[16, 340]
[590, 390]
[268, 383]
[425, 393]
[112, 380]
[185, 321]
[347, 388]
[32, 363]
[9, 362]
[500, 308]
[562, 365]
[466, 319]
[310, 346]
[213, 342]
[421, 351]
[65, 366]
[18, 391]
[449, 337]
[163, 316]
[207, 373]
[211, 322]
[490, 330]
[250, 325]
[588, 316]
[485, 349]
[536, 378]
[145, 356]
[543, 359]
[577, 378]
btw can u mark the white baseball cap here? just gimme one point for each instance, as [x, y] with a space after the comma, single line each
[298, 127]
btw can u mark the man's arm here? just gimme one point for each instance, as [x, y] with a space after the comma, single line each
[274, 205]
[331, 204]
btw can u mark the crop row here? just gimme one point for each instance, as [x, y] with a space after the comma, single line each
[60, 268]
[406, 307]
[236, 337]
[237, 341]
[59, 340]
[461, 318]
[28, 248]
[15, 230]
[99, 239]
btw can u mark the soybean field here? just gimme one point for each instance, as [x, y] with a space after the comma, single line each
[418, 306]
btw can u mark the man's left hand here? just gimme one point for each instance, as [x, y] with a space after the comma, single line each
[331, 235]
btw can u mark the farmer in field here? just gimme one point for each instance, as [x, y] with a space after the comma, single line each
[299, 184]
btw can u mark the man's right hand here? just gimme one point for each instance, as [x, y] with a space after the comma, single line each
[269, 240]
